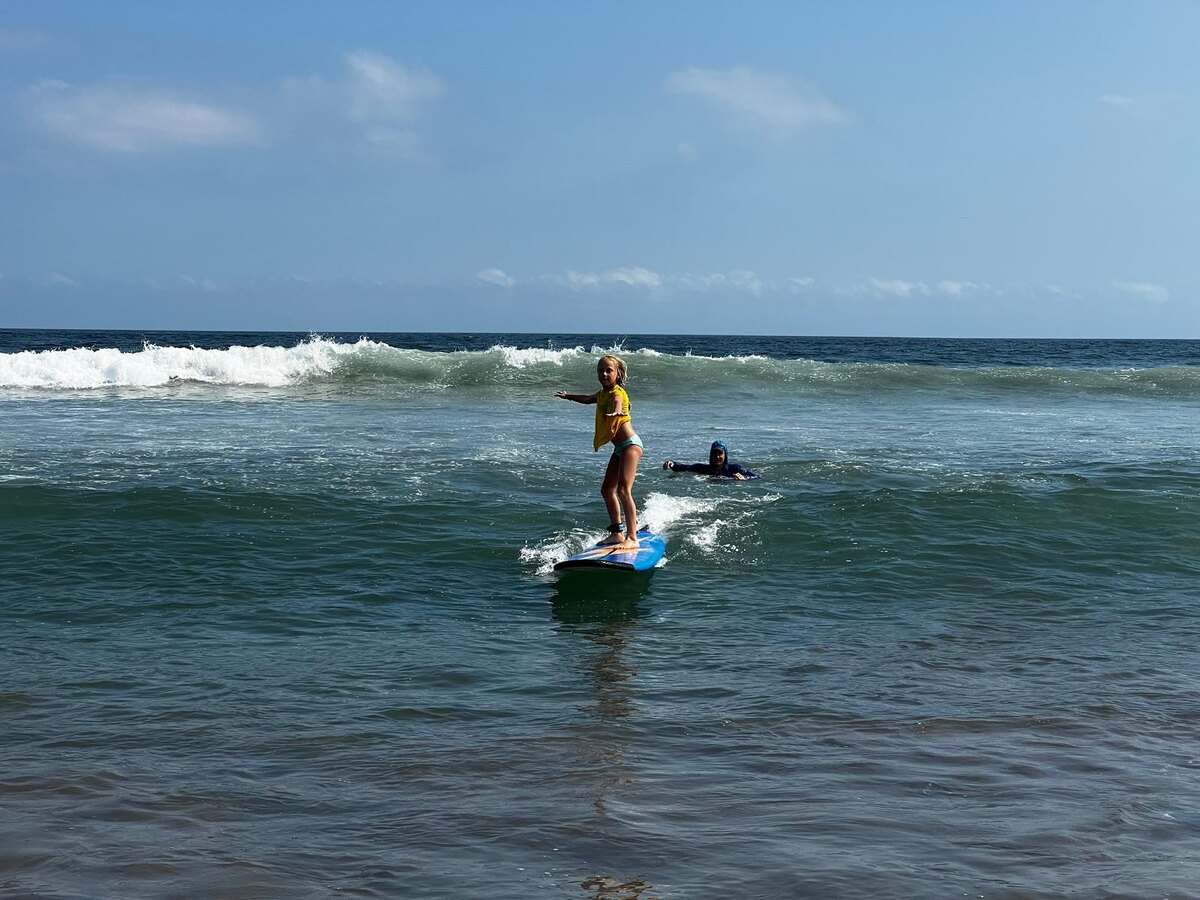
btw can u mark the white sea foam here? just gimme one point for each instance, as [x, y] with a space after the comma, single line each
[659, 513]
[522, 357]
[556, 548]
[706, 538]
[662, 513]
[747, 358]
[83, 368]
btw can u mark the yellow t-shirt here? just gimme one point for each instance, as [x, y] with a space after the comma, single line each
[606, 426]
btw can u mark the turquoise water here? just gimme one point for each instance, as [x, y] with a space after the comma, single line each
[277, 618]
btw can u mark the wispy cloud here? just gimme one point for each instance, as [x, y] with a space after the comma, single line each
[1056, 291]
[1144, 289]
[377, 98]
[629, 276]
[900, 287]
[762, 99]
[385, 97]
[896, 287]
[383, 90]
[739, 281]
[376, 101]
[956, 288]
[747, 283]
[1146, 107]
[202, 283]
[130, 119]
[57, 279]
[743, 281]
[498, 277]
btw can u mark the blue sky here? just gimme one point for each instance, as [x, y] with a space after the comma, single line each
[940, 168]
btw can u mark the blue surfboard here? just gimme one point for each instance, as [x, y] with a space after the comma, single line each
[649, 551]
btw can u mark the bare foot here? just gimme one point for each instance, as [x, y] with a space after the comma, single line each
[610, 540]
[627, 544]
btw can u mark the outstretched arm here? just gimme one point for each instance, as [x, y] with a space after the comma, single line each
[578, 398]
[686, 467]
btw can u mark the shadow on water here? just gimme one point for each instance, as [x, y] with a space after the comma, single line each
[605, 608]
[604, 888]
[584, 597]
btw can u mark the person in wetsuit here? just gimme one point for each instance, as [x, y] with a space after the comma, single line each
[718, 464]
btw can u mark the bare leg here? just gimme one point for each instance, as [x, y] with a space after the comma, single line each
[627, 470]
[608, 490]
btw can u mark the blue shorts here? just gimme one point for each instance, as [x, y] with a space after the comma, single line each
[634, 441]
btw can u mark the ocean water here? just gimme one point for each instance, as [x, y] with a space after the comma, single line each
[278, 619]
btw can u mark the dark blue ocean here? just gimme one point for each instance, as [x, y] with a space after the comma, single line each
[278, 619]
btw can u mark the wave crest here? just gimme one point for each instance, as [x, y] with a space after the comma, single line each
[319, 359]
[83, 368]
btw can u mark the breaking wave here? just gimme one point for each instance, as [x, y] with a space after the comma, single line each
[320, 360]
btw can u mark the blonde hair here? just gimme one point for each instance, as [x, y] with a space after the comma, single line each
[622, 369]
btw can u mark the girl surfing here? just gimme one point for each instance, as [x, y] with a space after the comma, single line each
[613, 425]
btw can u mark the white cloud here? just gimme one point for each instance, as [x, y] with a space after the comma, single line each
[742, 280]
[956, 288]
[746, 283]
[583, 279]
[761, 98]
[131, 119]
[1119, 100]
[946, 287]
[59, 280]
[378, 98]
[634, 276]
[687, 151]
[498, 277]
[1143, 289]
[1056, 290]
[381, 90]
[204, 284]
[896, 287]
[376, 101]
[739, 281]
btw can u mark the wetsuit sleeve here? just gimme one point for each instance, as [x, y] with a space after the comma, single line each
[703, 468]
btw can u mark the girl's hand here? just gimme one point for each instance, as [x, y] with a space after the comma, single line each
[738, 476]
[561, 395]
[669, 464]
